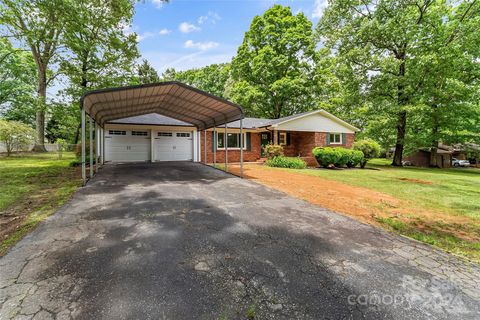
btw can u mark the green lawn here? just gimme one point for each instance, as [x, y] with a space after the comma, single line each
[452, 196]
[33, 187]
[453, 191]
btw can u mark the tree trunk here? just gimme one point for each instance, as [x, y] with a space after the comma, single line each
[402, 115]
[77, 133]
[401, 125]
[435, 140]
[40, 116]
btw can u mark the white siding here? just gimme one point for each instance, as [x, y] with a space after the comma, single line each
[315, 122]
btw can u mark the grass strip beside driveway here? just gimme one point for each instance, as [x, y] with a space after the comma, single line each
[33, 186]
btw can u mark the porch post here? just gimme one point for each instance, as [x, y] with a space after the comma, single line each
[241, 148]
[90, 137]
[84, 173]
[205, 145]
[225, 143]
[275, 136]
[215, 144]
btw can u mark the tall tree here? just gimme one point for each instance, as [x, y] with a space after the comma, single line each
[17, 79]
[273, 70]
[147, 73]
[99, 53]
[382, 42]
[447, 61]
[39, 25]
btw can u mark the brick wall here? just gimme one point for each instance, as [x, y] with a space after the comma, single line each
[233, 155]
[301, 144]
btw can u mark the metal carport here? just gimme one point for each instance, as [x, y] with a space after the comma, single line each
[172, 99]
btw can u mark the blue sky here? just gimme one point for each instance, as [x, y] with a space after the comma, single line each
[193, 33]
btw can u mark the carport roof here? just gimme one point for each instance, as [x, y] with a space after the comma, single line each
[172, 99]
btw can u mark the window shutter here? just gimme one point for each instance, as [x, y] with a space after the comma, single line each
[344, 138]
[328, 138]
[249, 143]
[288, 138]
[214, 143]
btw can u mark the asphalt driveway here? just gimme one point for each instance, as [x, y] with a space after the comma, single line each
[185, 241]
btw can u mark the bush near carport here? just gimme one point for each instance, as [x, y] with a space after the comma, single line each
[273, 150]
[370, 149]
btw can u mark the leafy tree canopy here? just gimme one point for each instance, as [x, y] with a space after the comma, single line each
[212, 78]
[273, 70]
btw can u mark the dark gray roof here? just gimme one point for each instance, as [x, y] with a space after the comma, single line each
[248, 123]
[152, 119]
[270, 122]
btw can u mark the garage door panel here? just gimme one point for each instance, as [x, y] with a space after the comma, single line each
[127, 147]
[174, 146]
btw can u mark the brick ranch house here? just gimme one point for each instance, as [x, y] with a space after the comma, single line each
[154, 137]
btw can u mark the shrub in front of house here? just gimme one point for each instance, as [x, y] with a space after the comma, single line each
[273, 150]
[337, 157]
[370, 149]
[328, 157]
[286, 162]
[356, 158]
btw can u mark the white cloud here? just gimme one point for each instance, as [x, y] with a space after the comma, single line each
[211, 17]
[145, 35]
[186, 27]
[203, 46]
[164, 31]
[318, 8]
[158, 3]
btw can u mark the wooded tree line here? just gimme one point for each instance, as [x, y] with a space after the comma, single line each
[406, 72]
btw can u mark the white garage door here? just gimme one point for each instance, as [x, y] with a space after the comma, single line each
[173, 146]
[127, 145]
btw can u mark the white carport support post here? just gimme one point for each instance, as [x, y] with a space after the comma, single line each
[100, 137]
[225, 144]
[84, 173]
[215, 144]
[97, 147]
[205, 146]
[90, 137]
[241, 148]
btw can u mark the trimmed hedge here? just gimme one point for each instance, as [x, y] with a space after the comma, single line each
[338, 157]
[286, 162]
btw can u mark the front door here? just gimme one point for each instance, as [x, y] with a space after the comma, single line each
[265, 139]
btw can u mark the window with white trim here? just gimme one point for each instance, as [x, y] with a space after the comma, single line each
[335, 138]
[140, 133]
[183, 134]
[282, 138]
[117, 132]
[164, 134]
[233, 140]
